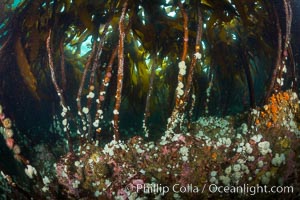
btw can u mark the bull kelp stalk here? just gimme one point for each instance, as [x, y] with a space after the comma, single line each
[247, 68]
[91, 88]
[278, 56]
[280, 68]
[149, 94]
[9, 138]
[85, 71]
[191, 109]
[286, 44]
[288, 25]
[11, 143]
[175, 118]
[14, 185]
[104, 84]
[196, 57]
[103, 87]
[120, 72]
[65, 109]
[185, 37]
[62, 65]
[288, 48]
[182, 97]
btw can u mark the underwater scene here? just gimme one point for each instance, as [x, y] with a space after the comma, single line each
[149, 99]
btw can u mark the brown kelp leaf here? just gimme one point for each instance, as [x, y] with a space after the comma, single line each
[24, 68]
[34, 45]
[86, 19]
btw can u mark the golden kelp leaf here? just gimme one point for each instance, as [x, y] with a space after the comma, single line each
[78, 2]
[144, 75]
[82, 36]
[206, 3]
[34, 45]
[133, 74]
[67, 4]
[24, 68]
[86, 19]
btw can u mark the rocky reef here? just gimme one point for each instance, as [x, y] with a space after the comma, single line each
[215, 153]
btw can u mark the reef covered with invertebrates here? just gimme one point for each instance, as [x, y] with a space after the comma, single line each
[161, 99]
[179, 166]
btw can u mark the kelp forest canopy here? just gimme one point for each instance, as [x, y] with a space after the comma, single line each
[98, 98]
[130, 65]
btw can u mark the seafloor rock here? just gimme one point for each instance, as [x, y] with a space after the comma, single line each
[214, 155]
